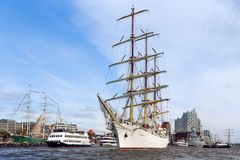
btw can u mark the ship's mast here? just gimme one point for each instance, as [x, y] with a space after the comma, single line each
[131, 93]
[44, 115]
[132, 69]
[28, 112]
[155, 93]
[145, 85]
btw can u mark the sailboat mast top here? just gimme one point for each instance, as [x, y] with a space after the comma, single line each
[133, 13]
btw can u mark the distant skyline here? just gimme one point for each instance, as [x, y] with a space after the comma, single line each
[64, 47]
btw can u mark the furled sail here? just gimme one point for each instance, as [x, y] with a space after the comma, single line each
[36, 131]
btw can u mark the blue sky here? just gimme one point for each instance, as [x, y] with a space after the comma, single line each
[64, 47]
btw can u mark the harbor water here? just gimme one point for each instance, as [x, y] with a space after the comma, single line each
[102, 153]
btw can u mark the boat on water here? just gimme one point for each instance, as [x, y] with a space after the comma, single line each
[217, 145]
[181, 143]
[108, 141]
[141, 124]
[195, 140]
[29, 135]
[34, 137]
[65, 138]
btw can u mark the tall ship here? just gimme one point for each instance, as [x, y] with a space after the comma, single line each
[33, 132]
[34, 137]
[65, 138]
[139, 123]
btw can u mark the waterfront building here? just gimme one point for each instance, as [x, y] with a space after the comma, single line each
[206, 133]
[207, 136]
[188, 122]
[70, 127]
[73, 127]
[3, 124]
[21, 127]
[8, 124]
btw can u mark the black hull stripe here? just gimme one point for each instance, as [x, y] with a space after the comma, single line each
[60, 144]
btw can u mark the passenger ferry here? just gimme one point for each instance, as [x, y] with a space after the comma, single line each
[64, 138]
[108, 141]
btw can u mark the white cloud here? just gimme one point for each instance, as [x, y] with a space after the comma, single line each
[217, 95]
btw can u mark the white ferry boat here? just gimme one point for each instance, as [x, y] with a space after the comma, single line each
[63, 138]
[108, 141]
[181, 143]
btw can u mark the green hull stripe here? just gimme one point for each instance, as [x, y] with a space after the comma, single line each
[22, 139]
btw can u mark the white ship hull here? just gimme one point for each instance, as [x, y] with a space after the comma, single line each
[134, 137]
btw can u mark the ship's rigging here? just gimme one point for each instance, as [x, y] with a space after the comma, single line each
[26, 104]
[145, 97]
[138, 127]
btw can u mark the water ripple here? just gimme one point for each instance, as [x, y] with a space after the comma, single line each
[105, 153]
